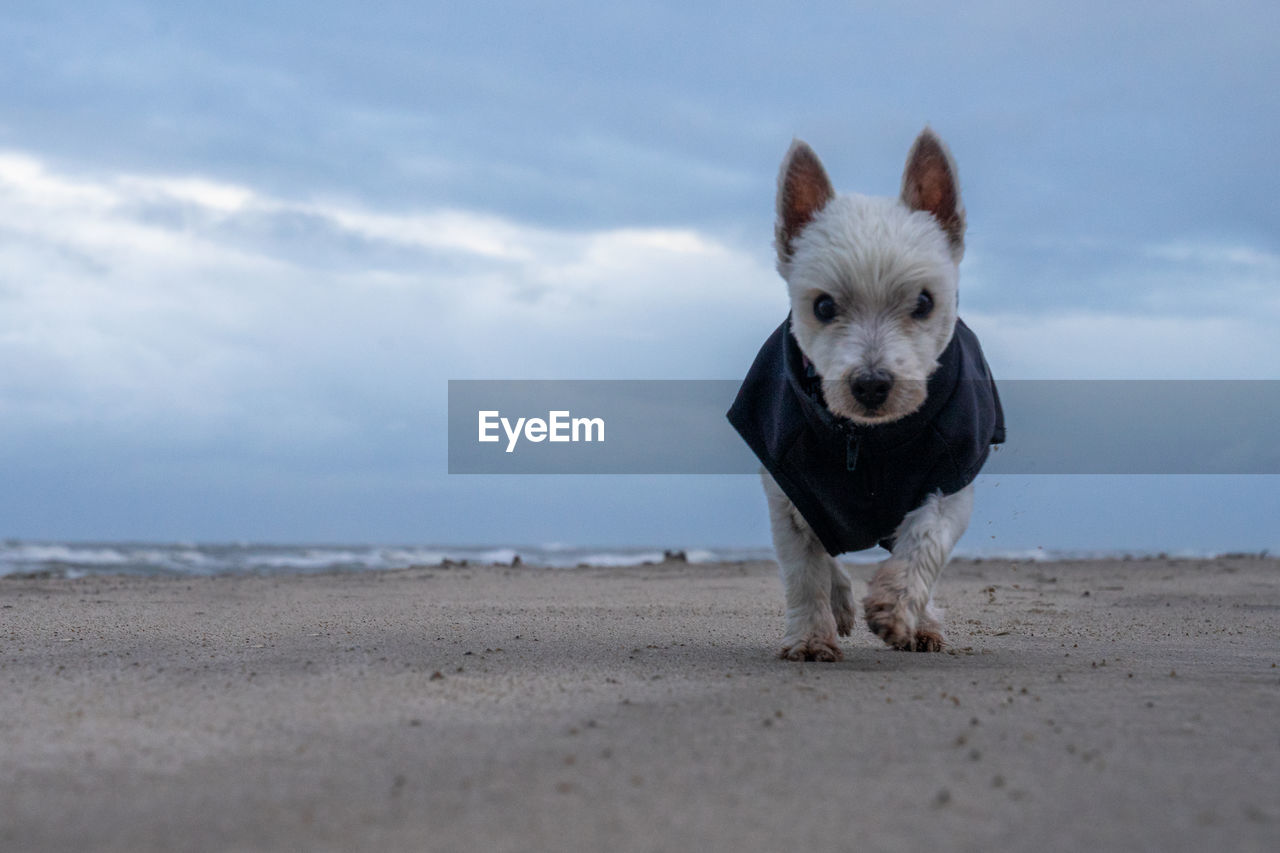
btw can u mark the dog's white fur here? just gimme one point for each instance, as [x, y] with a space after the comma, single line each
[873, 257]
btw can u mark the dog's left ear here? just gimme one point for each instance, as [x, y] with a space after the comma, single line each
[930, 183]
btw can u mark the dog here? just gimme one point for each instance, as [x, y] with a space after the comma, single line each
[871, 408]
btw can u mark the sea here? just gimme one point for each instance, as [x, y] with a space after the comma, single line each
[184, 559]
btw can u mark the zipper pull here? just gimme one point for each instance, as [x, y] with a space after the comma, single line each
[850, 451]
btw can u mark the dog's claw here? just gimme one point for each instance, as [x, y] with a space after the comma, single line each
[927, 641]
[812, 649]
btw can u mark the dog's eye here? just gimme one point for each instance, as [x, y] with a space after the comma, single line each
[924, 305]
[824, 308]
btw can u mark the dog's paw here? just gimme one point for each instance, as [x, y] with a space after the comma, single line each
[928, 641]
[891, 620]
[816, 648]
[846, 616]
[929, 636]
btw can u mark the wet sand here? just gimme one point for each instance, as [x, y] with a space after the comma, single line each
[1100, 705]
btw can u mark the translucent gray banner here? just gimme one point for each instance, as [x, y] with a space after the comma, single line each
[679, 427]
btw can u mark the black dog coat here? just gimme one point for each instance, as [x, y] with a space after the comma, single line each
[854, 483]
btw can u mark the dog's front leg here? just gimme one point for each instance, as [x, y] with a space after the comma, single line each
[899, 603]
[818, 603]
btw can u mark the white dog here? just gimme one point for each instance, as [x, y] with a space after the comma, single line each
[871, 407]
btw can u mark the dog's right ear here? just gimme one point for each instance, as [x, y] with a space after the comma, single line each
[803, 190]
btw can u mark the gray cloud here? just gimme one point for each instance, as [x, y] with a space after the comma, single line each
[260, 238]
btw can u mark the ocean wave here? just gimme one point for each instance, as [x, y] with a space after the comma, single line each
[35, 553]
[64, 559]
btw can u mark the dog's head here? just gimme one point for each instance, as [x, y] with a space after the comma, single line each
[872, 280]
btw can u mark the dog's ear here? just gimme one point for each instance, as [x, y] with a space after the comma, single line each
[930, 183]
[803, 190]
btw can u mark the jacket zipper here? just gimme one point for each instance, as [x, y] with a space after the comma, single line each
[851, 447]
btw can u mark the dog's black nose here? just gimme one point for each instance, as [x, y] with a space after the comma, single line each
[871, 389]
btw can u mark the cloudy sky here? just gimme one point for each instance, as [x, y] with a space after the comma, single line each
[243, 246]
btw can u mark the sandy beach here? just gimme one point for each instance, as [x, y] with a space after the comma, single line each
[1100, 705]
